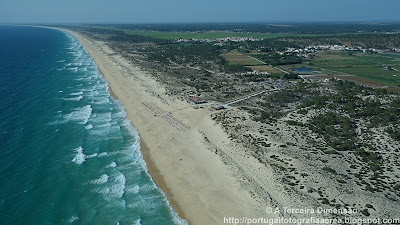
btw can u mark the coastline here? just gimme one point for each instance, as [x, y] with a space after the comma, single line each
[151, 168]
[204, 175]
[199, 186]
[159, 180]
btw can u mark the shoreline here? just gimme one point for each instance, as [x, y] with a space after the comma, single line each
[159, 180]
[151, 168]
[200, 187]
[153, 171]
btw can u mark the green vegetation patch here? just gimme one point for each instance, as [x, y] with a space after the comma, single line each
[382, 68]
[235, 57]
[275, 59]
[336, 129]
[328, 169]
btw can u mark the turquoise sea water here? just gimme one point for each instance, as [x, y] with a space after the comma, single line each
[68, 154]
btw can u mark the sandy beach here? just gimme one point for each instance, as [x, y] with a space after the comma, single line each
[178, 143]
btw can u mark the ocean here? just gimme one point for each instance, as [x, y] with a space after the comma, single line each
[68, 153]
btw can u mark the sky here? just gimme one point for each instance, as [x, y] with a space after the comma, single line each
[189, 11]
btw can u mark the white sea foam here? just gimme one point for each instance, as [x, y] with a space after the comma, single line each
[77, 93]
[134, 205]
[117, 115]
[147, 187]
[102, 101]
[120, 179]
[72, 68]
[88, 127]
[117, 190]
[112, 165]
[88, 91]
[104, 125]
[127, 124]
[76, 99]
[73, 219]
[88, 62]
[80, 114]
[57, 122]
[114, 132]
[131, 165]
[102, 117]
[79, 54]
[100, 86]
[101, 180]
[132, 151]
[133, 189]
[101, 133]
[76, 64]
[102, 154]
[137, 222]
[79, 157]
[91, 156]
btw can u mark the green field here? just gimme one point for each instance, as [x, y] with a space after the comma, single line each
[235, 57]
[372, 66]
[210, 34]
[395, 56]
[239, 58]
[265, 68]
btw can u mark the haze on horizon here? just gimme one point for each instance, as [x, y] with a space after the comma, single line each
[179, 11]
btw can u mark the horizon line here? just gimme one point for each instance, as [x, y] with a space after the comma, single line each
[211, 22]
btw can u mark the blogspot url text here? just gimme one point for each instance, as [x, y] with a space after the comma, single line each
[310, 220]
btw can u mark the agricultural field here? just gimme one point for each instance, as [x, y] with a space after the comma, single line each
[381, 68]
[392, 55]
[315, 70]
[235, 57]
[212, 34]
[265, 68]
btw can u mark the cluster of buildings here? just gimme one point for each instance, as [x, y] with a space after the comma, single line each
[219, 40]
[196, 101]
[254, 72]
[317, 48]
